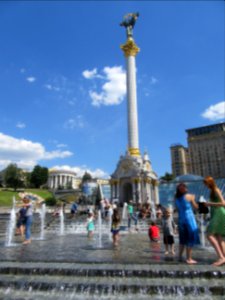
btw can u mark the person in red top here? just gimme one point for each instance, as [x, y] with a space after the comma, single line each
[153, 232]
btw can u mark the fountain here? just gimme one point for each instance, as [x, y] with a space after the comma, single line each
[99, 229]
[153, 211]
[11, 225]
[202, 230]
[202, 225]
[124, 212]
[42, 216]
[62, 226]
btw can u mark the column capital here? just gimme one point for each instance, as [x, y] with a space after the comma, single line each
[130, 48]
[134, 151]
[114, 181]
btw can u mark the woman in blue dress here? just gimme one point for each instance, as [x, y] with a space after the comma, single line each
[187, 225]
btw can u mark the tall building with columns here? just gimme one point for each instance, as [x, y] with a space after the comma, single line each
[134, 178]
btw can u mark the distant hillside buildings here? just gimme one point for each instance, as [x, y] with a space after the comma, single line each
[205, 154]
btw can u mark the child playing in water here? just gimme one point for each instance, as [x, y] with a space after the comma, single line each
[153, 232]
[168, 227]
[115, 226]
[90, 224]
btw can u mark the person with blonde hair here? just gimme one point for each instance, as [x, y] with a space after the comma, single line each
[168, 227]
[216, 227]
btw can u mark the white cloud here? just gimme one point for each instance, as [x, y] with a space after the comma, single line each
[113, 90]
[97, 173]
[57, 154]
[89, 74]
[31, 79]
[153, 80]
[25, 153]
[51, 87]
[71, 102]
[215, 112]
[20, 125]
[61, 145]
[77, 122]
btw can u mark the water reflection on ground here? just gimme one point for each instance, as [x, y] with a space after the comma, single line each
[133, 247]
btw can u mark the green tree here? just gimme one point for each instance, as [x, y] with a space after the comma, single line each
[13, 176]
[39, 176]
[167, 177]
[86, 177]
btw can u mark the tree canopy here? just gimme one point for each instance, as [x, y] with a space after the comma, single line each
[39, 176]
[86, 177]
[167, 177]
[13, 176]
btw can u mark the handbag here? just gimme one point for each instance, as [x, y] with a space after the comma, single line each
[202, 209]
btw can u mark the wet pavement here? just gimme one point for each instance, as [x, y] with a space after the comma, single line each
[134, 248]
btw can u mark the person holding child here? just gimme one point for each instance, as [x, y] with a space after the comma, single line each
[21, 219]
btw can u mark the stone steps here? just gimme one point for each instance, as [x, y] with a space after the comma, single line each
[130, 281]
[59, 295]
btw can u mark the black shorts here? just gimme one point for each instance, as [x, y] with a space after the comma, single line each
[20, 222]
[169, 239]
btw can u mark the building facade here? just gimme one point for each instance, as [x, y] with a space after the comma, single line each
[207, 150]
[62, 179]
[180, 160]
[205, 155]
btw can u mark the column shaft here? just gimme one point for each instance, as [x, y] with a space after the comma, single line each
[132, 104]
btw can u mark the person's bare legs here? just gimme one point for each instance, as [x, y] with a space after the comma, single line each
[22, 230]
[117, 239]
[181, 250]
[189, 260]
[167, 249]
[172, 249]
[219, 249]
[221, 244]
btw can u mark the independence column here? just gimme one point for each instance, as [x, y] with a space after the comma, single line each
[130, 50]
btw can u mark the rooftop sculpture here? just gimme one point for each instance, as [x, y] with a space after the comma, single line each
[128, 22]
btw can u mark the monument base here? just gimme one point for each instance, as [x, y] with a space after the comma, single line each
[134, 180]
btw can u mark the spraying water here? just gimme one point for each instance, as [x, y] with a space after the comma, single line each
[202, 227]
[153, 214]
[12, 224]
[61, 216]
[99, 229]
[42, 215]
[124, 213]
[110, 222]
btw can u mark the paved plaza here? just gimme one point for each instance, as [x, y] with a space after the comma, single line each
[71, 266]
[134, 247]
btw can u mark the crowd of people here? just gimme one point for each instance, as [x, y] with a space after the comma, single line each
[161, 219]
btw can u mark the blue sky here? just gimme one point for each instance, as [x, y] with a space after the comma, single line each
[62, 79]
